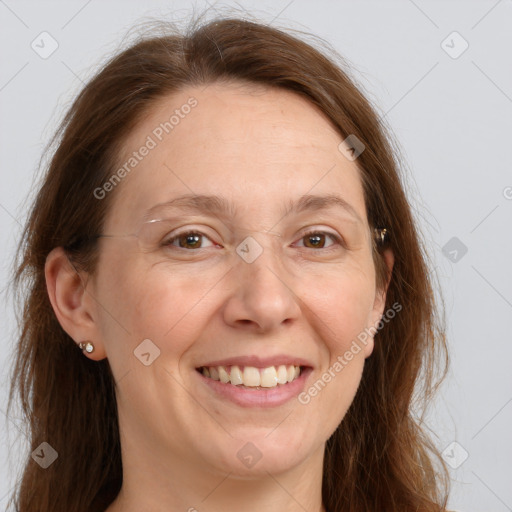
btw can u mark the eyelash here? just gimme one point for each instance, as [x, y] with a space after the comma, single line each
[337, 239]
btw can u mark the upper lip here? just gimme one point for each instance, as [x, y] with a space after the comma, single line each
[259, 362]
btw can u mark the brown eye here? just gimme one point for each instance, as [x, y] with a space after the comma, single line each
[317, 239]
[187, 240]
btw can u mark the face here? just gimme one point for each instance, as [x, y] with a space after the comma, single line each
[272, 282]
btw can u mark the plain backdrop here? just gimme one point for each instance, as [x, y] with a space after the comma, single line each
[439, 71]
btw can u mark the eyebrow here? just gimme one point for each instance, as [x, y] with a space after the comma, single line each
[219, 205]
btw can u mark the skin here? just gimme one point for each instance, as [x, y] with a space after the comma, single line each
[258, 148]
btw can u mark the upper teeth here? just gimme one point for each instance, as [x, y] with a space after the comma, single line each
[251, 376]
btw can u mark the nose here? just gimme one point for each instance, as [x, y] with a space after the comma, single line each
[263, 296]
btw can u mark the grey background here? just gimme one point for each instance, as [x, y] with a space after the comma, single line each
[452, 118]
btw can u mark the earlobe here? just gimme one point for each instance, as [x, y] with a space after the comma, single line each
[70, 302]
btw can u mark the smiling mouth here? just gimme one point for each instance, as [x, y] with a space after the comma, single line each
[251, 377]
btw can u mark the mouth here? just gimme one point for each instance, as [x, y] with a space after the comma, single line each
[254, 381]
[252, 377]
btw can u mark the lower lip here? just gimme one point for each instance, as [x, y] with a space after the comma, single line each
[271, 397]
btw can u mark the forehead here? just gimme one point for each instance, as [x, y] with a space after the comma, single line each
[256, 145]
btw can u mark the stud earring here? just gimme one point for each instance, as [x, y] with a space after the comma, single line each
[381, 235]
[89, 347]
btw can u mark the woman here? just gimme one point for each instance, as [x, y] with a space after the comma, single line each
[227, 303]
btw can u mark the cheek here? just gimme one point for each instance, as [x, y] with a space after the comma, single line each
[159, 303]
[340, 309]
[342, 301]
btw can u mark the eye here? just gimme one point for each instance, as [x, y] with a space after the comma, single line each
[186, 240]
[193, 240]
[316, 239]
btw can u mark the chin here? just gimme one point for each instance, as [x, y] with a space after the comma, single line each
[257, 453]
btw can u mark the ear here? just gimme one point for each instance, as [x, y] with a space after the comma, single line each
[73, 305]
[379, 303]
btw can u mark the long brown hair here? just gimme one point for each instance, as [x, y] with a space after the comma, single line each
[380, 457]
